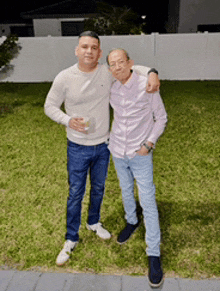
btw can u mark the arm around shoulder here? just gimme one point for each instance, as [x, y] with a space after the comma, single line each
[153, 83]
[141, 70]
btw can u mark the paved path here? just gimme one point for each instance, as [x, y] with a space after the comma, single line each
[11, 280]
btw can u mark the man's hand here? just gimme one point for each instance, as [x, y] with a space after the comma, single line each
[153, 84]
[77, 124]
[143, 151]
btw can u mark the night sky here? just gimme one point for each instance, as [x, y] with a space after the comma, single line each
[156, 11]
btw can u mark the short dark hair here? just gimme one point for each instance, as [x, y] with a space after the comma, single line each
[118, 49]
[91, 34]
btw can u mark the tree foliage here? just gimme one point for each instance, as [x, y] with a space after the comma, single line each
[8, 49]
[113, 20]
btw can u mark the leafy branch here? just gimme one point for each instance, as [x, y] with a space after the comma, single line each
[113, 20]
[8, 49]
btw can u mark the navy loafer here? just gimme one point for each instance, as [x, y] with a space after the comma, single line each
[126, 233]
[155, 274]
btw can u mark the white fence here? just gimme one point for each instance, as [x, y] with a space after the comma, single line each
[176, 56]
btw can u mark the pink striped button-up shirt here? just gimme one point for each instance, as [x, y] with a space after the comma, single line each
[138, 116]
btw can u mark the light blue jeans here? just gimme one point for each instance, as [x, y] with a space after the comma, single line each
[140, 168]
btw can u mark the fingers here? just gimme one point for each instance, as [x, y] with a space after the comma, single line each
[143, 151]
[152, 88]
[77, 124]
[149, 89]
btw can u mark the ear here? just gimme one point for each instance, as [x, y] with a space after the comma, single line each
[131, 63]
[76, 51]
[100, 53]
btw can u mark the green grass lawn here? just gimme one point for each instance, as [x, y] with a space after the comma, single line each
[34, 189]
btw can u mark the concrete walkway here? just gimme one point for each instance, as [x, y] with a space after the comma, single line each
[11, 280]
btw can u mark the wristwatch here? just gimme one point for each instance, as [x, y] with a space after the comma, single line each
[152, 71]
[149, 148]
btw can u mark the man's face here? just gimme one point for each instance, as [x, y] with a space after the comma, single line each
[88, 52]
[120, 66]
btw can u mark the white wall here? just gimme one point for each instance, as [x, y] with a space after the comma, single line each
[195, 12]
[176, 56]
[188, 56]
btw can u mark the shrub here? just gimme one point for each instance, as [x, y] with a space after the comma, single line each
[8, 49]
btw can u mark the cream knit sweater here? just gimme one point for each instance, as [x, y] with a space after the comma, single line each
[83, 95]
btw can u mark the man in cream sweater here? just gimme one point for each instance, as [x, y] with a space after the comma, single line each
[84, 88]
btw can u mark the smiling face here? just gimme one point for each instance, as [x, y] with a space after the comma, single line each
[119, 65]
[88, 53]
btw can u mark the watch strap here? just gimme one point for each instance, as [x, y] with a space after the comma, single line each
[152, 71]
[149, 148]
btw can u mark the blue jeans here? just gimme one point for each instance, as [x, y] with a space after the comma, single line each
[140, 168]
[82, 160]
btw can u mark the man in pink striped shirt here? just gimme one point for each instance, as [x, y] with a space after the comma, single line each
[139, 120]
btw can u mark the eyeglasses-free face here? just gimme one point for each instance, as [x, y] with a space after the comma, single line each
[88, 53]
[120, 66]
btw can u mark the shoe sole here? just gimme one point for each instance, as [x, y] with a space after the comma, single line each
[156, 285]
[61, 264]
[121, 243]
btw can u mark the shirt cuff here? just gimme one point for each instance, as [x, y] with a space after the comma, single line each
[150, 140]
[68, 121]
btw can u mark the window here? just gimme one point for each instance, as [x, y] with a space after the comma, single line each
[22, 31]
[72, 28]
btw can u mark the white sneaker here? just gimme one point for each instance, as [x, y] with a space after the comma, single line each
[100, 231]
[66, 251]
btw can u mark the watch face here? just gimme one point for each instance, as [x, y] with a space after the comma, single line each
[147, 147]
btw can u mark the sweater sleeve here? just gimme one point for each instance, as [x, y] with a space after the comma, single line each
[141, 70]
[54, 100]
